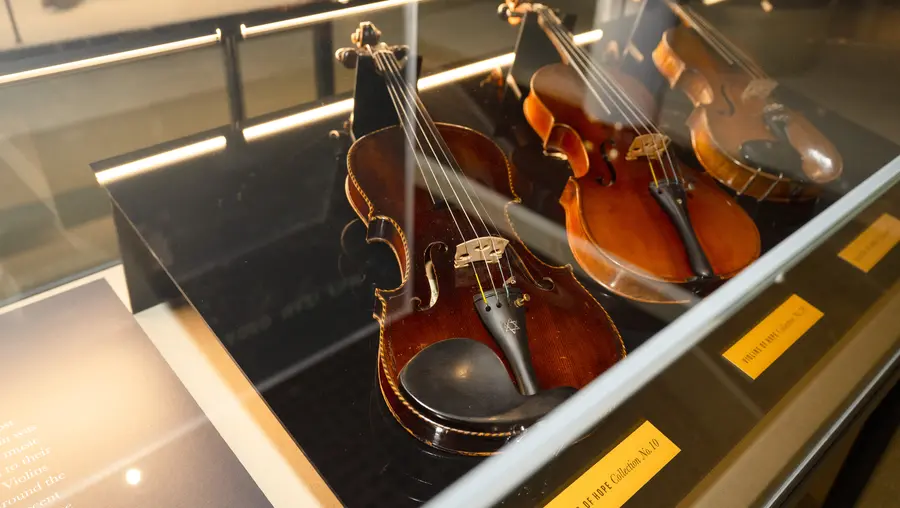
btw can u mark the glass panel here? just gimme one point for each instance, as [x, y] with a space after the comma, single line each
[56, 220]
[644, 249]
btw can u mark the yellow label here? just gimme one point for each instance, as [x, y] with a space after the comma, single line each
[872, 244]
[768, 340]
[620, 473]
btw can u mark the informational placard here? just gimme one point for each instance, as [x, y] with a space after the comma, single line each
[867, 249]
[767, 341]
[91, 415]
[621, 473]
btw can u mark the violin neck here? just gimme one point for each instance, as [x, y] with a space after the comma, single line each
[404, 94]
[681, 13]
[729, 51]
[553, 27]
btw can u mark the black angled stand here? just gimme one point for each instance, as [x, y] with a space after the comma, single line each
[373, 108]
[533, 51]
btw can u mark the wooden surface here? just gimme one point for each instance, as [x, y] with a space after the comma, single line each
[619, 233]
[723, 121]
[571, 338]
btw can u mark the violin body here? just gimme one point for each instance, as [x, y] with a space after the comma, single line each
[728, 115]
[570, 336]
[617, 230]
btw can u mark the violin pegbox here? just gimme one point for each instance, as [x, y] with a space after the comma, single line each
[366, 39]
[366, 35]
[513, 11]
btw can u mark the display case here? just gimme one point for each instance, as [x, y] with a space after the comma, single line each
[577, 254]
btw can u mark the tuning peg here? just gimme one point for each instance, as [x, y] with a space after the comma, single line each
[366, 34]
[503, 11]
[400, 52]
[348, 57]
[510, 15]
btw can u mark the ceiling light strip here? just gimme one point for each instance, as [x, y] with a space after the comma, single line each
[288, 24]
[123, 56]
[159, 160]
[428, 82]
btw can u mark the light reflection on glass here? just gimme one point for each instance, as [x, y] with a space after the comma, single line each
[133, 476]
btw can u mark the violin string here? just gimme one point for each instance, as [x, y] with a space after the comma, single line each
[720, 48]
[628, 101]
[689, 19]
[457, 169]
[410, 134]
[573, 50]
[579, 57]
[463, 180]
[745, 59]
[414, 101]
[724, 46]
[587, 82]
[402, 113]
[413, 140]
[393, 78]
[576, 65]
[395, 93]
[625, 97]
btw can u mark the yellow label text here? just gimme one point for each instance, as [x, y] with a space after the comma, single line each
[767, 341]
[616, 477]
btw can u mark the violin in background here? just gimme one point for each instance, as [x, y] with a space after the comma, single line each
[741, 134]
[480, 339]
[637, 217]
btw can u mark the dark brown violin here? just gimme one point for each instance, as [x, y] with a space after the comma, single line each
[636, 216]
[480, 339]
[743, 137]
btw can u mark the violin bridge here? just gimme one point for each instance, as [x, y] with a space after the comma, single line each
[485, 248]
[758, 89]
[648, 145]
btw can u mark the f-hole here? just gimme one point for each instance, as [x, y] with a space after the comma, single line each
[431, 275]
[545, 284]
[731, 108]
[605, 147]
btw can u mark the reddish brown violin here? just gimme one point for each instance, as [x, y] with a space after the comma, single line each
[480, 339]
[742, 136]
[636, 216]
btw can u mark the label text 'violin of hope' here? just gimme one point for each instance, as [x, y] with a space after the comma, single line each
[621, 473]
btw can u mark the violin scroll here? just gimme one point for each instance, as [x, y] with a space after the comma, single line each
[513, 11]
[366, 39]
[366, 35]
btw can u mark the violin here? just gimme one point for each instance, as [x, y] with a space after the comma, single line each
[636, 215]
[480, 339]
[741, 134]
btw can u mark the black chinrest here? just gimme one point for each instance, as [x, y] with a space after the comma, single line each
[777, 157]
[464, 383]
[774, 157]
